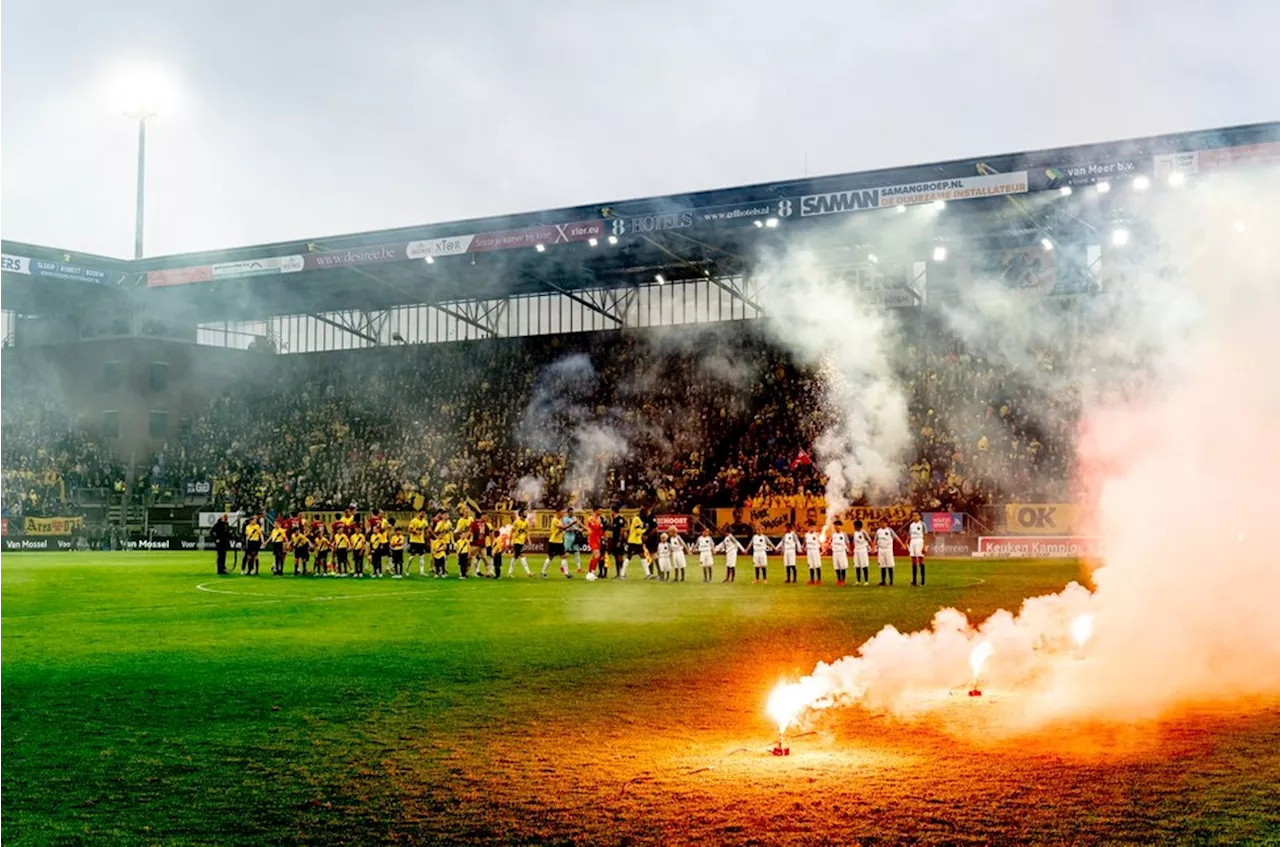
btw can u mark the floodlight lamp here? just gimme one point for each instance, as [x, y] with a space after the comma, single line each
[140, 90]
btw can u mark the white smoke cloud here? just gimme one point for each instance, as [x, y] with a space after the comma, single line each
[564, 417]
[1181, 466]
[826, 323]
[528, 490]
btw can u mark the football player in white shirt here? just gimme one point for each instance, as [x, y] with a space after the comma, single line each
[790, 546]
[813, 553]
[731, 547]
[760, 547]
[861, 554]
[885, 537]
[678, 563]
[839, 551]
[706, 553]
[915, 546]
[664, 555]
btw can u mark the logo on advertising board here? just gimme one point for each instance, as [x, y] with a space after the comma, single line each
[1040, 518]
[915, 193]
[673, 523]
[1166, 164]
[449, 245]
[1250, 154]
[552, 234]
[1085, 174]
[17, 544]
[943, 521]
[356, 256]
[257, 267]
[746, 212]
[1047, 547]
[61, 270]
[15, 264]
[4, 527]
[951, 544]
[644, 224]
[179, 276]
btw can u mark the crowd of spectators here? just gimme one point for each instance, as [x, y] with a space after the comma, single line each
[676, 418]
[48, 455]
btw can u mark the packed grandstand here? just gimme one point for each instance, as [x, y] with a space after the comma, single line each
[680, 417]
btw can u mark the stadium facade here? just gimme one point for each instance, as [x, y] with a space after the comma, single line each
[139, 345]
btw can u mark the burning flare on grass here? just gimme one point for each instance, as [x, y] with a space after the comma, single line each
[786, 703]
[1082, 629]
[978, 658]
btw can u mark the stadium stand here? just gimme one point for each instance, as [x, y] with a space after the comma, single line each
[400, 368]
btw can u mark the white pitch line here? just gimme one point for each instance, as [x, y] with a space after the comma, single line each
[204, 586]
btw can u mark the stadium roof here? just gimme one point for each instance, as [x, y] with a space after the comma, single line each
[611, 244]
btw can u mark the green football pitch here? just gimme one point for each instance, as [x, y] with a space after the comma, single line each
[146, 700]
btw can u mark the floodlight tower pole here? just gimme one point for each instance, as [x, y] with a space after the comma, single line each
[141, 118]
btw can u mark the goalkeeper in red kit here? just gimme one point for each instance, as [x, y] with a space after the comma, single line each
[595, 542]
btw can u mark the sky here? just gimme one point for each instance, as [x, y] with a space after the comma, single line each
[286, 120]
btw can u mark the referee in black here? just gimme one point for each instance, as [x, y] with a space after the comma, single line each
[222, 541]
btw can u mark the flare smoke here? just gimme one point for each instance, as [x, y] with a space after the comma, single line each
[1179, 466]
[822, 319]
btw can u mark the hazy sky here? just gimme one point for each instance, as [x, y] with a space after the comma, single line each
[303, 119]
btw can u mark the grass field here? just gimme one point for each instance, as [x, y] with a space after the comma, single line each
[141, 707]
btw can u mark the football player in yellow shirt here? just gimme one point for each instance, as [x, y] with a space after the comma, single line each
[635, 546]
[555, 546]
[461, 535]
[519, 537]
[441, 537]
[322, 553]
[341, 549]
[252, 546]
[418, 527]
[301, 544]
[359, 546]
[396, 542]
[278, 539]
[377, 549]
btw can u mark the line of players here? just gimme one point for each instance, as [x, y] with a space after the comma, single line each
[352, 541]
[342, 548]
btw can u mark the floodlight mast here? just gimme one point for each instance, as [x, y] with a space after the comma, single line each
[141, 116]
[141, 90]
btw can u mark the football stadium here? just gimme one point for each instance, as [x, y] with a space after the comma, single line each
[537, 529]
